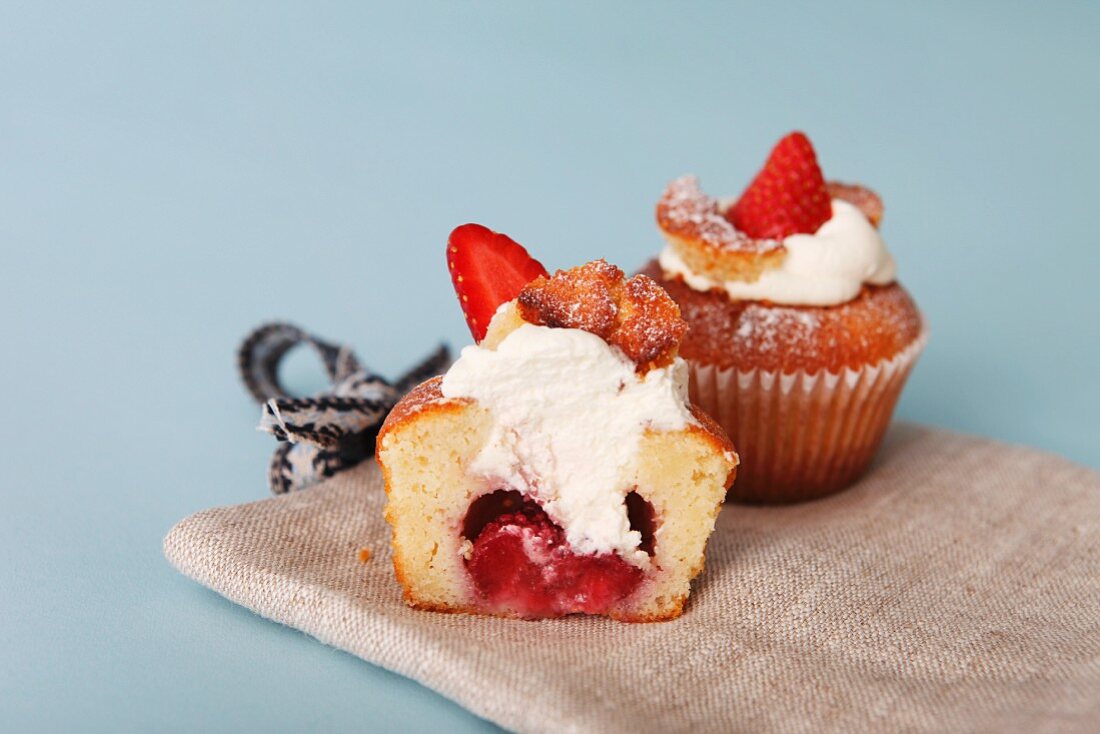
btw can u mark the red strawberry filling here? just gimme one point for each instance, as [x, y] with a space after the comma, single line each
[521, 561]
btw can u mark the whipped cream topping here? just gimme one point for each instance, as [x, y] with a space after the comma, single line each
[820, 269]
[569, 412]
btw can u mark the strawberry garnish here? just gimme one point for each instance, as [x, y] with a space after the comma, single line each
[787, 197]
[487, 269]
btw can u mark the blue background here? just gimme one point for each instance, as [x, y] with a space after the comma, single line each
[173, 174]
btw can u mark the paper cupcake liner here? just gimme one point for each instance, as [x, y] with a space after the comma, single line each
[800, 435]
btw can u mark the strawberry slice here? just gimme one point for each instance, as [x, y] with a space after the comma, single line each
[787, 197]
[487, 269]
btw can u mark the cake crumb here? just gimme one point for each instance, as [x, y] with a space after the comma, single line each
[466, 550]
[363, 555]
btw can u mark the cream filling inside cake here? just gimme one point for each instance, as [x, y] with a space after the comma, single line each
[568, 415]
[820, 269]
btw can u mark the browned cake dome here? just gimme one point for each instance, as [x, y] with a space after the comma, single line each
[879, 323]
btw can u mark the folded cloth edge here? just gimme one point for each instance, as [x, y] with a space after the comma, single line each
[287, 608]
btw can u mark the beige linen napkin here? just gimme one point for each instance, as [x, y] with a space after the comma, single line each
[956, 588]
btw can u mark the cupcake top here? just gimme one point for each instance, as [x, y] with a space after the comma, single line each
[574, 370]
[791, 238]
[635, 315]
[879, 323]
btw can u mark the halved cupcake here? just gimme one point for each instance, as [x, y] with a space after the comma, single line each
[558, 466]
[800, 338]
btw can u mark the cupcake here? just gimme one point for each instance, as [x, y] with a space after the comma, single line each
[558, 466]
[800, 338]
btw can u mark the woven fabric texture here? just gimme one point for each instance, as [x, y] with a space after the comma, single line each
[955, 588]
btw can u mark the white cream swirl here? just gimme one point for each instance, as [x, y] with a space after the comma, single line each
[825, 268]
[569, 412]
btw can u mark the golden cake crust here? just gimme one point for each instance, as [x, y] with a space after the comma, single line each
[718, 437]
[427, 396]
[635, 315]
[693, 223]
[861, 197]
[876, 325]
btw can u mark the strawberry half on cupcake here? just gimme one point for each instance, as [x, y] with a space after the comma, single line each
[558, 466]
[800, 338]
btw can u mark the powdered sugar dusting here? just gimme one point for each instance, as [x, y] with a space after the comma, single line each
[635, 315]
[766, 330]
[878, 323]
[686, 212]
[778, 337]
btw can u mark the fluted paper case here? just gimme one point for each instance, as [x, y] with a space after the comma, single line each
[801, 435]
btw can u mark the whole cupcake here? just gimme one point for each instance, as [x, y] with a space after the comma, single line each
[800, 339]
